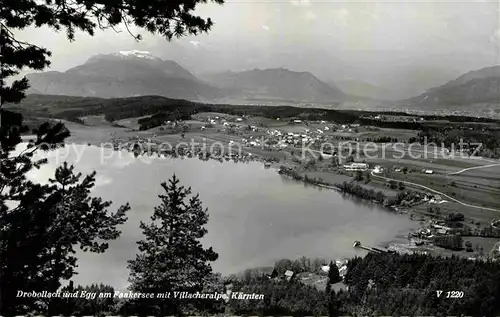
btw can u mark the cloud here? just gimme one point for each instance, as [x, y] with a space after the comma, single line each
[340, 16]
[195, 43]
[311, 16]
[102, 180]
[265, 27]
[495, 38]
[302, 3]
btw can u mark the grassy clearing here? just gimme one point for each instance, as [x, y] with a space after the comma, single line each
[477, 242]
[131, 123]
[473, 215]
[481, 195]
[400, 134]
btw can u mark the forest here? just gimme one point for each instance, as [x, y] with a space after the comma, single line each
[378, 284]
[464, 138]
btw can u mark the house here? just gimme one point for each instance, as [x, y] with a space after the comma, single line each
[268, 272]
[325, 268]
[289, 275]
[442, 231]
[343, 271]
[442, 227]
[356, 167]
[449, 241]
[378, 169]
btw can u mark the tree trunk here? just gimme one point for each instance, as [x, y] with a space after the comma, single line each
[1, 284]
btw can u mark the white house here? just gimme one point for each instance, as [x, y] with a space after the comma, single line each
[343, 271]
[289, 275]
[356, 167]
[378, 169]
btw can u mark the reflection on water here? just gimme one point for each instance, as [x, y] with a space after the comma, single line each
[256, 216]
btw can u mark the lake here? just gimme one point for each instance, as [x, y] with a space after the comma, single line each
[256, 216]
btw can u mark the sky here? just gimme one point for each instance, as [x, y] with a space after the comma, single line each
[398, 45]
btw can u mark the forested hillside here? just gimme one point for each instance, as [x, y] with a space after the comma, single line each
[378, 285]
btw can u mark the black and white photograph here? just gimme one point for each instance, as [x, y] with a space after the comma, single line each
[249, 158]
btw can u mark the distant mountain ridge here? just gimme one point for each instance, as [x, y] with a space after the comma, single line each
[276, 83]
[140, 73]
[124, 74]
[361, 88]
[476, 87]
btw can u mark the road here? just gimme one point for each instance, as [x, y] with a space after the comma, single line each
[434, 191]
[473, 168]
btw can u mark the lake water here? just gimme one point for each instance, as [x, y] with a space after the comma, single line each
[256, 216]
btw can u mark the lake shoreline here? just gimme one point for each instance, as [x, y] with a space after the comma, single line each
[275, 165]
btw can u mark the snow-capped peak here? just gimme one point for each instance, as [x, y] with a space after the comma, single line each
[138, 54]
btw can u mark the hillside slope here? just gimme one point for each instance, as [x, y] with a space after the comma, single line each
[480, 87]
[363, 89]
[277, 84]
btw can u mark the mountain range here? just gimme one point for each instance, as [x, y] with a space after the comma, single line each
[276, 84]
[361, 88]
[479, 87]
[136, 73]
[124, 74]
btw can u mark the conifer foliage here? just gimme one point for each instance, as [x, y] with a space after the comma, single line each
[171, 257]
[164, 17]
[333, 274]
[40, 224]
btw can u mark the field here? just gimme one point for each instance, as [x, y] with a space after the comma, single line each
[400, 134]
